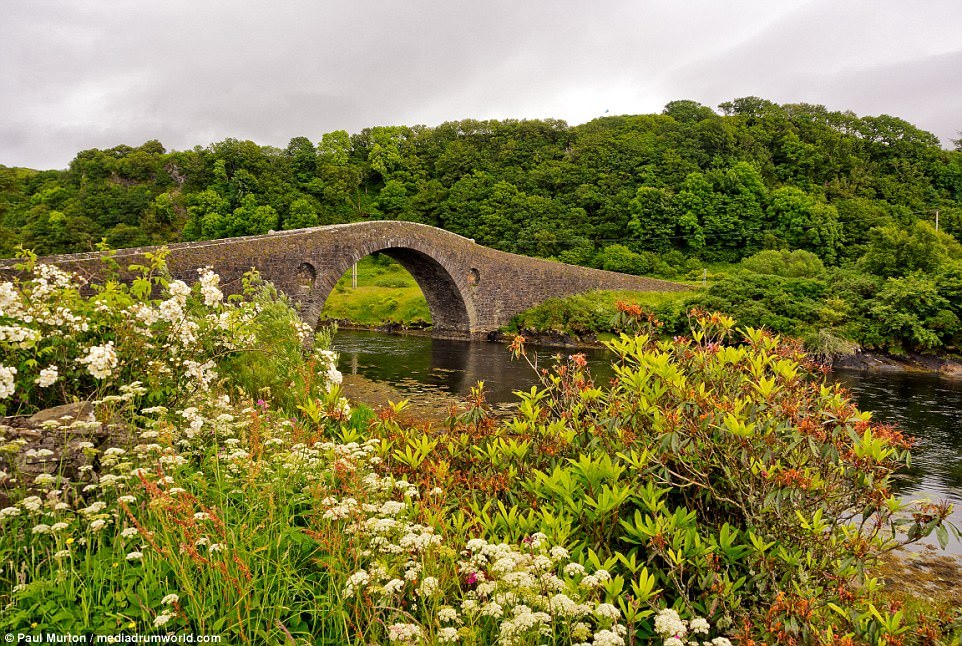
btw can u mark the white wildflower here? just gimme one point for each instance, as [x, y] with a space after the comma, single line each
[492, 609]
[101, 360]
[608, 638]
[162, 619]
[574, 569]
[6, 381]
[404, 633]
[44, 479]
[562, 605]
[607, 611]
[357, 580]
[669, 624]
[429, 586]
[95, 508]
[48, 377]
[589, 582]
[699, 626]
[179, 290]
[209, 282]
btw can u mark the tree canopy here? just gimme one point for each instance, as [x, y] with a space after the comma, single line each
[713, 186]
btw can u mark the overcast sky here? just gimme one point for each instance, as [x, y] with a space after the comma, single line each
[94, 74]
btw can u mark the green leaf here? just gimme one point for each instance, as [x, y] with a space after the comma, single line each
[942, 533]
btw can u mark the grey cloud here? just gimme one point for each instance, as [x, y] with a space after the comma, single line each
[80, 74]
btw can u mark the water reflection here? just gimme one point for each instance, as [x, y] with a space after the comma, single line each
[455, 366]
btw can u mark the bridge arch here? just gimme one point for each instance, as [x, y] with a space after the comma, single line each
[449, 295]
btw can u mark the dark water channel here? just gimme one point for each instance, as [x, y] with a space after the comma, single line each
[926, 407]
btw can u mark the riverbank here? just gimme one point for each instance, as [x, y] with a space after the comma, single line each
[910, 363]
[387, 328]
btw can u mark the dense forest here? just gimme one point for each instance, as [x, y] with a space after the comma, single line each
[856, 199]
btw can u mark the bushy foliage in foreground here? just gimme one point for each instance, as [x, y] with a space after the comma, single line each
[723, 480]
[712, 488]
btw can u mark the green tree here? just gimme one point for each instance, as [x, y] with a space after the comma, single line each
[303, 159]
[909, 313]
[894, 252]
[393, 200]
[653, 219]
[302, 214]
[620, 258]
[790, 264]
[805, 223]
[205, 206]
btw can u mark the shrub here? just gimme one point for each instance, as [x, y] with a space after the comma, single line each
[170, 339]
[789, 264]
[717, 476]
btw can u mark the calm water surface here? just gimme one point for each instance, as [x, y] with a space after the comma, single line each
[926, 407]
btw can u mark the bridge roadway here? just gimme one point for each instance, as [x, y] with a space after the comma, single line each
[471, 290]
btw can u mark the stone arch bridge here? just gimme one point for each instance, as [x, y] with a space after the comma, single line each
[471, 290]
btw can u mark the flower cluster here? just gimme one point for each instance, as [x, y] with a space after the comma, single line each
[101, 360]
[328, 361]
[676, 631]
[7, 375]
[511, 593]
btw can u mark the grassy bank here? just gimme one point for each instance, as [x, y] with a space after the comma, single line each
[386, 293]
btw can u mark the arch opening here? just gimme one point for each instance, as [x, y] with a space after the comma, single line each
[305, 277]
[447, 312]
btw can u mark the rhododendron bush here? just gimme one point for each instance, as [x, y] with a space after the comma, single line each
[716, 489]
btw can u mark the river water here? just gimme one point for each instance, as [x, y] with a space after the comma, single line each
[926, 407]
